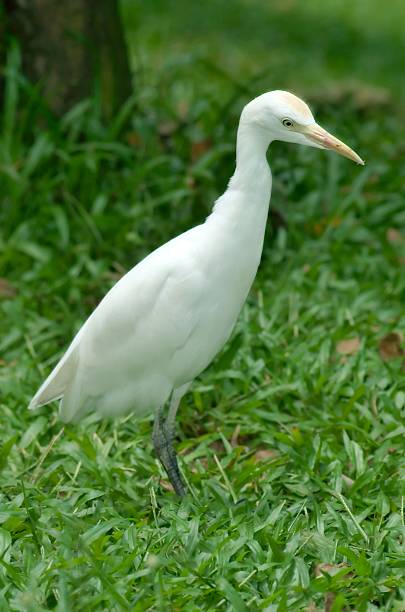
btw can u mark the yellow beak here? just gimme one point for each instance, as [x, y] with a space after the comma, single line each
[326, 141]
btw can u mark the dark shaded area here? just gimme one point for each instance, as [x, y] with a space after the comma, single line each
[72, 49]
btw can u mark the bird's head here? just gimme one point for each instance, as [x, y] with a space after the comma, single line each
[286, 117]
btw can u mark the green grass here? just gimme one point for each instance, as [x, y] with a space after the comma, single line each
[293, 451]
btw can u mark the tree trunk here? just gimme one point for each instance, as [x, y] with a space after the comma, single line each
[72, 49]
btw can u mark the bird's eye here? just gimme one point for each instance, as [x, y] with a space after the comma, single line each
[287, 123]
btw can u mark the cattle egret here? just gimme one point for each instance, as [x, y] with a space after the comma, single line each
[162, 323]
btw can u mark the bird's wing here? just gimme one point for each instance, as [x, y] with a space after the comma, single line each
[153, 307]
[144, 319]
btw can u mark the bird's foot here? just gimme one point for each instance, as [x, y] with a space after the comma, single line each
[163, 445]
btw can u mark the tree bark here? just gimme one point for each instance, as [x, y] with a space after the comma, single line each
[72, 49]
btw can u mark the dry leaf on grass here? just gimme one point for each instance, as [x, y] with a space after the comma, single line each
[167, 128]
[235, 436]
[349, 346]
[166, 485]
[331, 569]
[217, 446]
[319, 227]
[348, 481]
[328, 568]
[6, 289]
[199, 148]
[263, 454]
[390, 346]
[393, 235]
[134, 139]
[329, 601]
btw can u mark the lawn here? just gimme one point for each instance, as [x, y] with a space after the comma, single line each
[292, 442]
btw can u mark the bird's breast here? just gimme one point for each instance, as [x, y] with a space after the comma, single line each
[227, 268]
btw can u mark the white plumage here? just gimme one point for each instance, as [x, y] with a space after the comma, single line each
[164, 321]
[162, 324]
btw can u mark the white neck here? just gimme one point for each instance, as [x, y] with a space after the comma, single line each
[249, 188]
[236, 227]
[251, 163]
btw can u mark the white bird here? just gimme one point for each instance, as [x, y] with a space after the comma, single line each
[163, 323]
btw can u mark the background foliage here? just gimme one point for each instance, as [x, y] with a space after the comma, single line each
[292, 443]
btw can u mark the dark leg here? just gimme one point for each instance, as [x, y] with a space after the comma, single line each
[163, 444]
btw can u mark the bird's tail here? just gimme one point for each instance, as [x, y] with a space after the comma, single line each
[54, 386]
